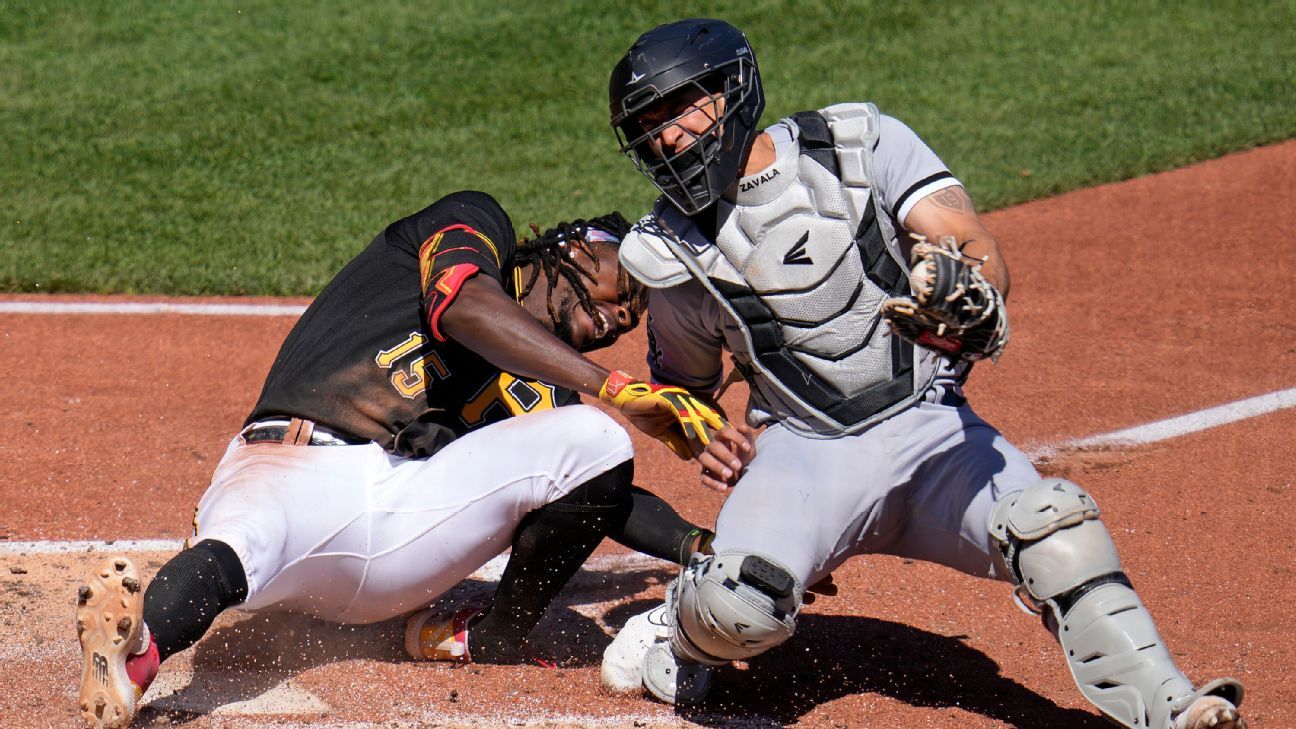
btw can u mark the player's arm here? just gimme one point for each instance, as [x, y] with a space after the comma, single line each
[949, 211]
[460, 269]
[486, 320]
[917, 186]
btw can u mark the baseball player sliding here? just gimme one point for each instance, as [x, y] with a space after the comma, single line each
[382, 463]
[793, 247]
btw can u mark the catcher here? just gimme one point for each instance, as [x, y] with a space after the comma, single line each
[422, 416]
[786, 246]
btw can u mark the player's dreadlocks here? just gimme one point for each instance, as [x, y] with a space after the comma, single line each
[554, 251]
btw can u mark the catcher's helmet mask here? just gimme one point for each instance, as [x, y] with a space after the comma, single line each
[674, 65]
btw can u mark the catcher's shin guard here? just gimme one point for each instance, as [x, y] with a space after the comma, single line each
[1066, 568]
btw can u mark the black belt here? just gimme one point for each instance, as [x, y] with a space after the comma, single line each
[296, 431]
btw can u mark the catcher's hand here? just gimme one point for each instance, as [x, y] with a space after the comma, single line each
[672, 415]
[954, 309]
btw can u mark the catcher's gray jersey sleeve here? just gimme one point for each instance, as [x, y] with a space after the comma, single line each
[906, 168]
[685, 337]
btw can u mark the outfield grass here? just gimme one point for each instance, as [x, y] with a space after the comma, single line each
[253, 147]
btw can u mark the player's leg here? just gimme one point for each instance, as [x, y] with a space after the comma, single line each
[978, 505]
[189, 592]
[1053, 546]
[552, 542]
[651, 526]
[550, 485]
[796, 513]
[549, 545]
[176, 609]
[127, 631]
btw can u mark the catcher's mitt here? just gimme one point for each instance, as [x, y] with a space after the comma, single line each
[954, 309]
[651, 407]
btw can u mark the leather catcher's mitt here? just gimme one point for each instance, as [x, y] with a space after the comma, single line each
[651, 407]
[954, 309]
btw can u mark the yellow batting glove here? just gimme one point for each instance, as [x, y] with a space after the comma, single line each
[672, 415]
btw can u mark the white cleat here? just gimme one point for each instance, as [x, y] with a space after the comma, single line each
[622, 669]
[640, 658]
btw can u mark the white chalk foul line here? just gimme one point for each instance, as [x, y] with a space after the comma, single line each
[1168, 428]
[122, 546]
[65, 307]
[1192, 422]
[490, 572]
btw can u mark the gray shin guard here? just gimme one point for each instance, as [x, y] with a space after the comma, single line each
[1066, 567]
[1118, 659]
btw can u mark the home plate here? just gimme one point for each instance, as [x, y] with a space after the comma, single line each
[226, 693]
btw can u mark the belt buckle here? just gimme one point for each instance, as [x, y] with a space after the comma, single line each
[259, 425]
[296, 431]
[326, 439]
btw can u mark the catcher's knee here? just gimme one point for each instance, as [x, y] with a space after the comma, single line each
[1053, 546]
[731, 606]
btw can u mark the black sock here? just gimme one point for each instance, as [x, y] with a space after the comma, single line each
[189, 592]
[654, 528]
[549, 545]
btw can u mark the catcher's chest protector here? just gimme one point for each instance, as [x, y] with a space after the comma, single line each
[803, 265]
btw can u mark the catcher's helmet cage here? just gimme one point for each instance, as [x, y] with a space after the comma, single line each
[688, 59]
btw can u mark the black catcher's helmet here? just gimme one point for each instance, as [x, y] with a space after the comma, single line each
[686, 60]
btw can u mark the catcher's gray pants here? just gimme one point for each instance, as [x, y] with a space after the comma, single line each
[923, 484]
[920, 484]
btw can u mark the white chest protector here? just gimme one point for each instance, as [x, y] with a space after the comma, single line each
[803, 265]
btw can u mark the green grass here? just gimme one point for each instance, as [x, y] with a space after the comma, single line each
[253, 147]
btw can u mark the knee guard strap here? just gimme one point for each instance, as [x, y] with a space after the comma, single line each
[732, 605]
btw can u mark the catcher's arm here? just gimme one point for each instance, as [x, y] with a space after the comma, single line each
[950, 212]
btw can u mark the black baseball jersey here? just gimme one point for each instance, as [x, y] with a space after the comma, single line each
[368, 359]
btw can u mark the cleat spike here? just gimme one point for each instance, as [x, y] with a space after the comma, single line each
[114, 595]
